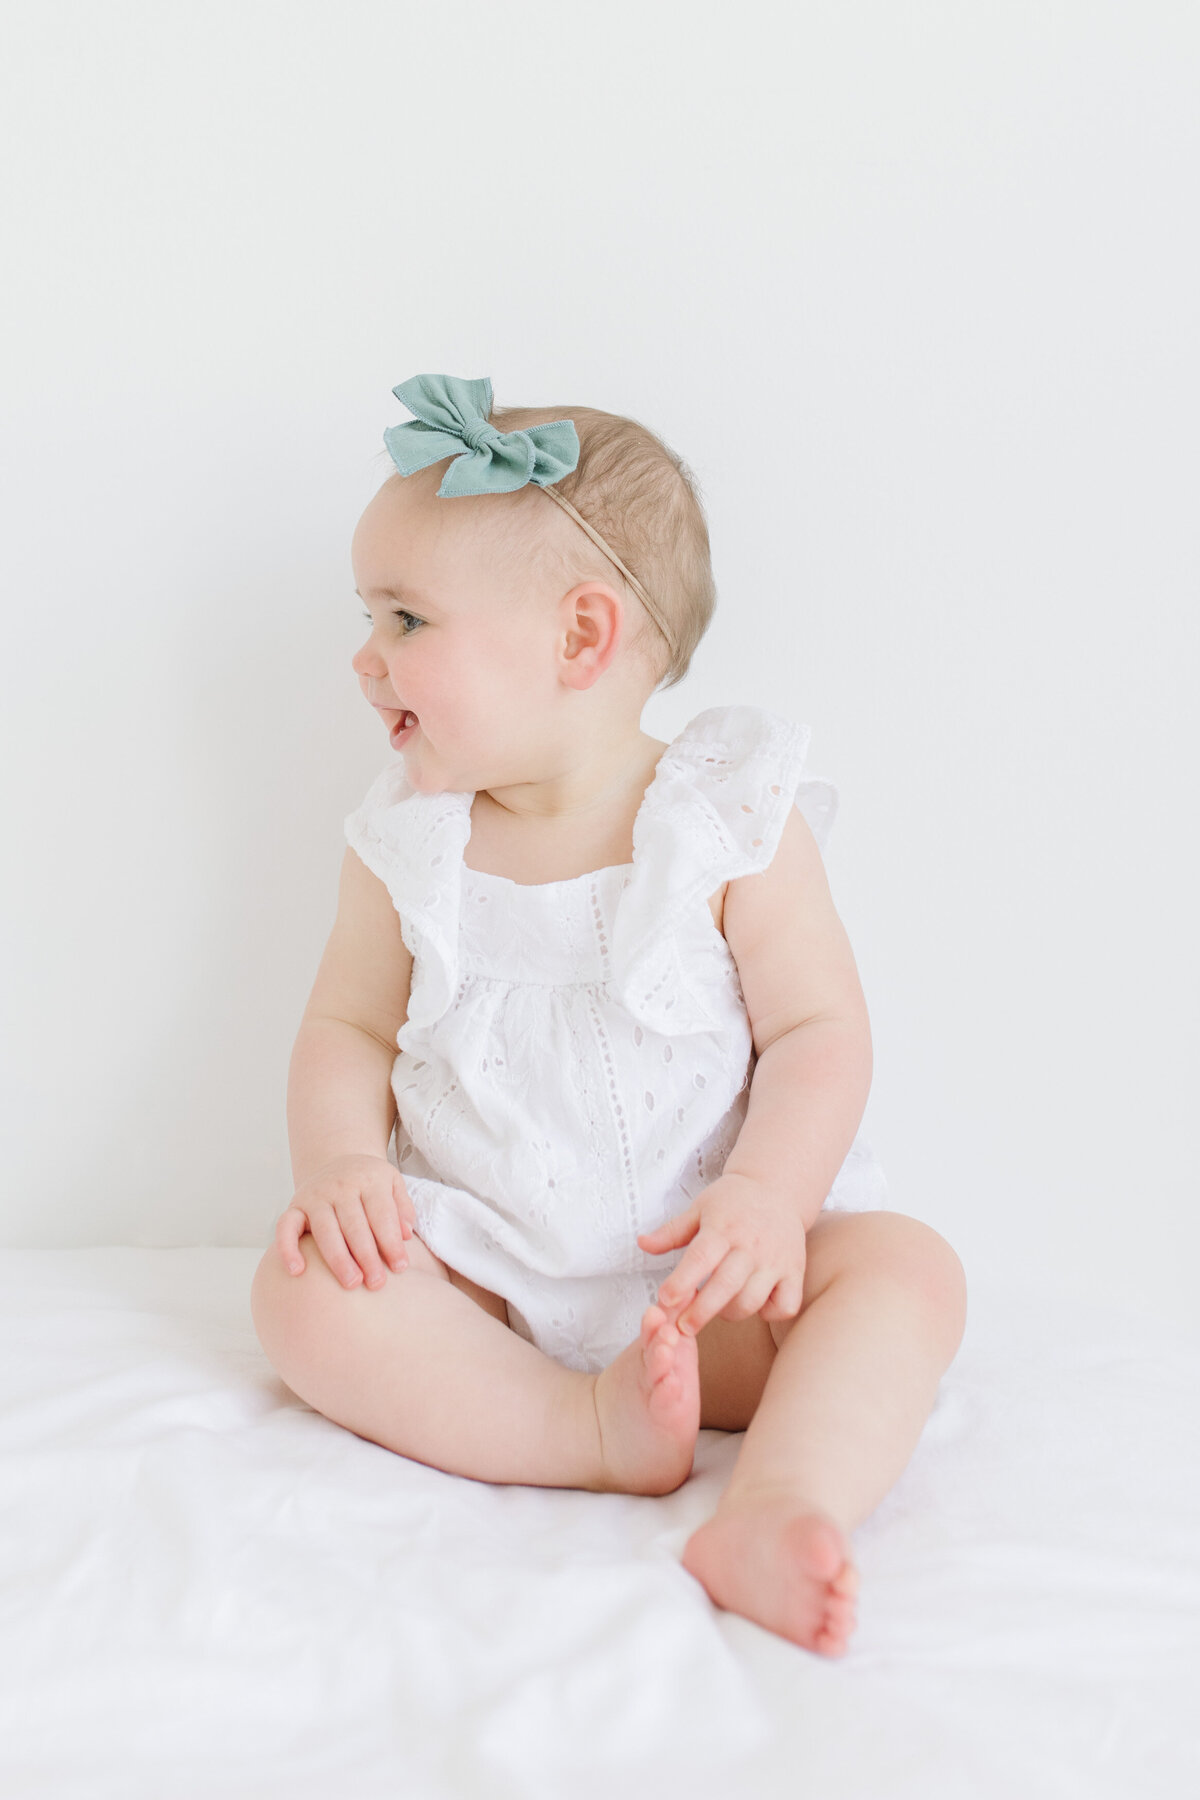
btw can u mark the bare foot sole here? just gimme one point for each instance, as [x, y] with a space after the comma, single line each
[648, 1409]
[782, 1564]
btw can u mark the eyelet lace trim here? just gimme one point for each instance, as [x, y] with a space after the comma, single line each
[714, 811]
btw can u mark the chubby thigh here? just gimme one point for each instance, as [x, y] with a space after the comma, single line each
[735, 1358]
[421, 1257]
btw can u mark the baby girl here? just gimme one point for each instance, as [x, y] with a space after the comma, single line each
[595, 989]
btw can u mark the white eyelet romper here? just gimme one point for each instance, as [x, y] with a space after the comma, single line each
[576, 1061]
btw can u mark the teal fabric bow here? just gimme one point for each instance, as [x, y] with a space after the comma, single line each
[452, 421]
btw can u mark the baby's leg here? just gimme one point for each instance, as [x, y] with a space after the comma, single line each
[855, 1377]
[419, 1366]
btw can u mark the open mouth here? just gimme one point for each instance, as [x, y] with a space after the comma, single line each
[403, 729]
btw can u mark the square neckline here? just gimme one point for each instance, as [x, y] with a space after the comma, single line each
[574, 880]
[537, 887]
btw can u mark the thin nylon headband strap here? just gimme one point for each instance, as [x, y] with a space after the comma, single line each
[612, 556]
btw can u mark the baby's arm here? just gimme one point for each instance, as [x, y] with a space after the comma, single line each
[340, 1106]
[812, 1039]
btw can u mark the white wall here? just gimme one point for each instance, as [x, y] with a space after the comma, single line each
[913, 288]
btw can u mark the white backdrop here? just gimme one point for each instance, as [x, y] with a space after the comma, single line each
[912, 288]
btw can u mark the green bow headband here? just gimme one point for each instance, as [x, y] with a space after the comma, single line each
[451, 420]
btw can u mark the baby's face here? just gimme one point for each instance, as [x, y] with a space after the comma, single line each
[458, 636]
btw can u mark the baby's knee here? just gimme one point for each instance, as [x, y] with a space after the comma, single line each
[900, 1251]
[279, 1299]
[919, 1256]
[291, 1311]
[294, 1314]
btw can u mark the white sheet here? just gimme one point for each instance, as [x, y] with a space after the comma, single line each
[208, 1589]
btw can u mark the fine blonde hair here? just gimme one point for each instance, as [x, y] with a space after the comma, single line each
[643, 500]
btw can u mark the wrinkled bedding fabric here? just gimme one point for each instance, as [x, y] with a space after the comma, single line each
[207, 1588]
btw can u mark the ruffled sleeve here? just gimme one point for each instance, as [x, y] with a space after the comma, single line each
[414, 843]
[714, 812]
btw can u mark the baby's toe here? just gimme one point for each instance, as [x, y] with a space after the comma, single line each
[839, 1614]
[653, 1319]
[828, 1645]
[846, 1580]
[660, 1359]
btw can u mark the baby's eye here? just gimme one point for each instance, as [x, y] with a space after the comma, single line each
[397, 613]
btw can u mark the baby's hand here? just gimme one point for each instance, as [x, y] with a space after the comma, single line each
[352, 1204]
[747, 1240]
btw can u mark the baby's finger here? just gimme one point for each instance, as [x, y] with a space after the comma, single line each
[674, 1233]
[327, 1231]
[386, 1224]
[753, 1297]
[672, 1312]
[356, 1229]
[729, 1279]
[408, 1212]
[785, 1299]
[290, 1227]
[698, 1261]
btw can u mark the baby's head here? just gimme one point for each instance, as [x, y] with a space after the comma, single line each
[508, 632]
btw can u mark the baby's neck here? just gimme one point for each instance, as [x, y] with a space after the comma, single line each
[550, 841]
[591, 790]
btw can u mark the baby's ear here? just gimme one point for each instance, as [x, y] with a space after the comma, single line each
[591, 618]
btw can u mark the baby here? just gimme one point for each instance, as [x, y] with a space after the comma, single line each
[596, 986]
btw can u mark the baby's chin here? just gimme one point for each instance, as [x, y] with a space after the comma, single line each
[425, 775]
[428, 773]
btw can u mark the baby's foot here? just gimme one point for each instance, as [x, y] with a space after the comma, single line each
[648, 1409]
[783, 1564]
